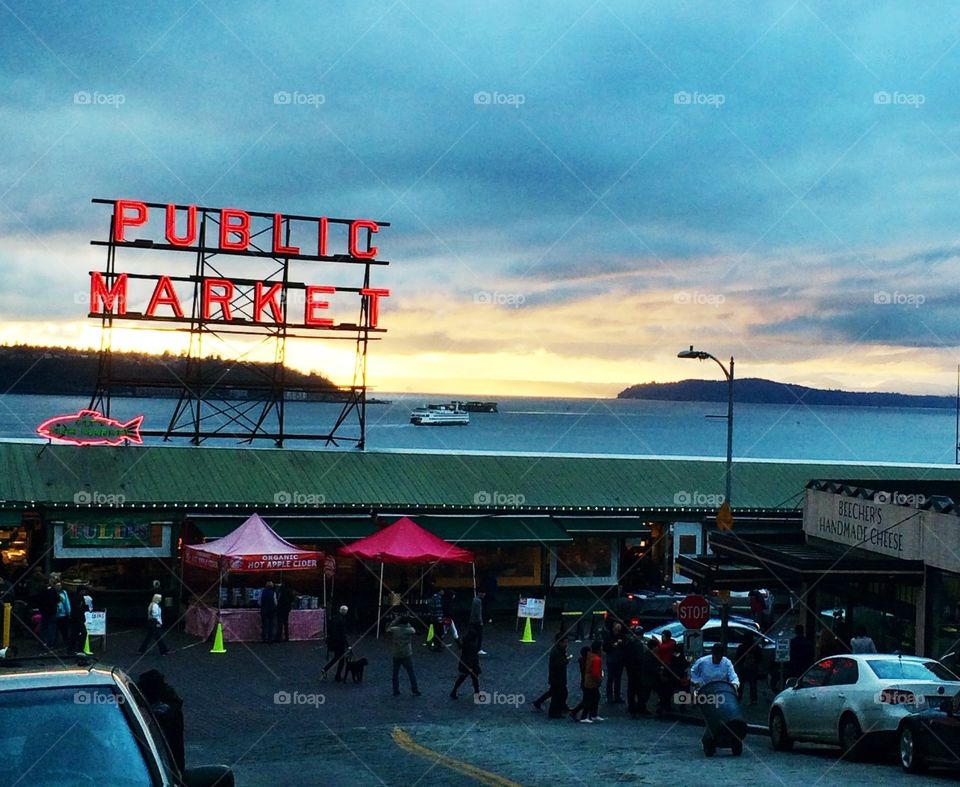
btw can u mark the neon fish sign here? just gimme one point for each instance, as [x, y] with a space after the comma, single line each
[88, 427]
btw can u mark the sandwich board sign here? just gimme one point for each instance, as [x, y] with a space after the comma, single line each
[96, 623]
[531, 608]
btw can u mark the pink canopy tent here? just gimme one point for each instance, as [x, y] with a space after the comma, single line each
[252, 547]
[405, 542]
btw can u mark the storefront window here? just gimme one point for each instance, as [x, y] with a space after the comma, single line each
[943, 620]
[586, 561]
[513, 565]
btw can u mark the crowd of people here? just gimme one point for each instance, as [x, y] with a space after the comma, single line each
[47, 609]
[653, 669]
[442, 634]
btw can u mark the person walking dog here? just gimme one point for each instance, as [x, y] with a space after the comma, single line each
[337, 644]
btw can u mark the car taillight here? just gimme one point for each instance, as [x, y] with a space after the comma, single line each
[634, 622]
[898, 697]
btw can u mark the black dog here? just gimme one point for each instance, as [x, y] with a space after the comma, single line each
[355, 668]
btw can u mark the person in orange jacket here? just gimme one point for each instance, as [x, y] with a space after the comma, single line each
[592, 679]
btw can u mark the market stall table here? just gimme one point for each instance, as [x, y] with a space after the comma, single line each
[243, 625]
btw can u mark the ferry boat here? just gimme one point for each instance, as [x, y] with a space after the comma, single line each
[480, 407]
[452, 414]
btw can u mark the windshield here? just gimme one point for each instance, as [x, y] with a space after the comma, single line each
[890, 669]
[674, 628]
[68, 737]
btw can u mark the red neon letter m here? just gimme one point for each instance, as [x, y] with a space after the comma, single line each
[99, 294]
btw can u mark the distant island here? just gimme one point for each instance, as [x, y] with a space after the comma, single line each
[754, 390]
[67, 372]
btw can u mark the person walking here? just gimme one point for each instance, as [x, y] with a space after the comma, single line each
[557, 677]
[268, 612]
[748, 662]
[285, 599]
[476, 619]
[614, 645]
[63, 615]
[47, 601]
[592, 679]
[714, 667]
[401, 634]
[666, 653]
[862, 642]
[337, 644]
[633, 648]
[469, 666]
[649, 675]
[154, 627]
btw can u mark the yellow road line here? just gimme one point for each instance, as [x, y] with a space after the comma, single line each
[403, 739]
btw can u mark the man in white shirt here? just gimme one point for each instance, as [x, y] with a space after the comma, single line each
[716, 666]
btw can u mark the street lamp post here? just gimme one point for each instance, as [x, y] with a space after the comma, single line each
[728, 471]
[728, 373]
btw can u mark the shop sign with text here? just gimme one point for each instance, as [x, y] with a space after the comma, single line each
[864, 524]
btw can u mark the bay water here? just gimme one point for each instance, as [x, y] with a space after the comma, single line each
[579, 426]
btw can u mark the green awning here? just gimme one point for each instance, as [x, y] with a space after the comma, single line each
[600, 525]
[494, 529]
[294, 528]
[10, 518]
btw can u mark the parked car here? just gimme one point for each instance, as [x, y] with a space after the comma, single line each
[81, 724]
[737, 630]
[646, 609]
[850, 700]
[931, 737]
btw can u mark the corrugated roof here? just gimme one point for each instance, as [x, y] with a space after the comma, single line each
[288, 480]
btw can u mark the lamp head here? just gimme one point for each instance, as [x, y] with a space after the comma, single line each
[691, 353]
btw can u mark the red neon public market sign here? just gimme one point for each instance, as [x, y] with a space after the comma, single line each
[239, 233]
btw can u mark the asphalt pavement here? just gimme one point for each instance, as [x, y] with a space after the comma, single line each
[263, 709]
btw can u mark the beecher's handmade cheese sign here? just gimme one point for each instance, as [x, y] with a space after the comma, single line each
[865, 524]
[230, 231]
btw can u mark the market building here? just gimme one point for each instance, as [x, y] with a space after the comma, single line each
[545, 525]
[879, 553]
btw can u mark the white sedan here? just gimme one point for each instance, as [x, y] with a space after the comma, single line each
[845, 699]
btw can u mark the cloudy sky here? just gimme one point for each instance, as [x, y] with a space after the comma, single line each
[576, 189]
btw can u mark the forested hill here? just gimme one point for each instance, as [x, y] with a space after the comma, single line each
[55, 370]
[753, 390]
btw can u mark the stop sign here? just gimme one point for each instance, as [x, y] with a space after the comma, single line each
[693, 612]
